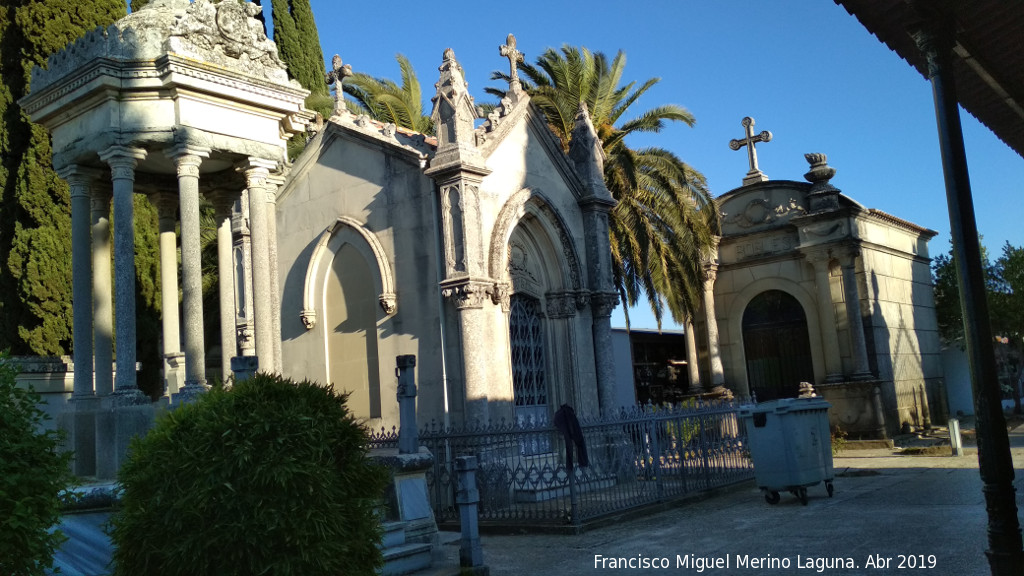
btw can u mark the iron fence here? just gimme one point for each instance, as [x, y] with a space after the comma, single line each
[636, 458]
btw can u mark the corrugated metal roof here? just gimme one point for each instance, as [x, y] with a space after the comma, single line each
[987, 65]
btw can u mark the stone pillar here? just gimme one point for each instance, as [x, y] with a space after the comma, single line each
[467, 497]
[691, 358]
[714, 352]
[80, 180]
[820, 259]
[469, 298]
[167, 210]
[225, 282]
[408, 434]
[848, 262]
[274, 183]
[187, 160]
[122, 161]
[256, 172]
[601, 306]
[80, 419]
[102, 312]
[242, 259]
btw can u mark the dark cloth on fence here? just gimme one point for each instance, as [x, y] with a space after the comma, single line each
[569, 426]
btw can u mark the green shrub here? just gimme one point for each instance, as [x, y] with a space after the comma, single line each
[33, 475]
[266, 477]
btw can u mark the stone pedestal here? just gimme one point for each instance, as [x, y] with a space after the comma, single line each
[856, 407]
[407, 497]
[174, 372]
[79, 420]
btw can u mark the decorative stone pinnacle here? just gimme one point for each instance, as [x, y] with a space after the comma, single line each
[514, 56]
[754, 175]
[823, 196]
[336, 75]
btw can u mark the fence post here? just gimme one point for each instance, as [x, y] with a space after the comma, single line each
[408, 434]
[702, 419]
[471, 554]
[574, 498]
[655, 432]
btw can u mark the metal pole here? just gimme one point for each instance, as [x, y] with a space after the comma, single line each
[1005, 553]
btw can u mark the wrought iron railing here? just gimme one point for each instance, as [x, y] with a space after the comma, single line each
[636, 458]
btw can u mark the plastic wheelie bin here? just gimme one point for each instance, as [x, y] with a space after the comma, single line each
[790, 446]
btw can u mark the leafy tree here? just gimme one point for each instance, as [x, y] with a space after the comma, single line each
[382, 99]
[1004, 288]
[35, 243]
[33, 474]
[664, 225]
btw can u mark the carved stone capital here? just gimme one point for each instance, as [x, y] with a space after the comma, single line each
[388, 303]
[187, 159]
[502, 295]
[122, 161]
[603, 303]
[257, 172]
[847, 255]
[468, 294]
[818, 258]
[80, 179]
[308, 319]
[560, 304]
[166, 204]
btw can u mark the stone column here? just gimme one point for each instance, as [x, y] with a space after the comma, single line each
[187, 160]
[81, 179]
[469, 298]
[274, 183]
[820, 259]
[242, 259]
[225, 282]
[848, 262]
[122, 161]
[601, 306]
[691, 358]
[102, 311]
[80, 419]
[167, 211]
[714, 352]
[256, 173]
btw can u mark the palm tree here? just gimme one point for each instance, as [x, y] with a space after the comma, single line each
[666, 220]
[382, 99]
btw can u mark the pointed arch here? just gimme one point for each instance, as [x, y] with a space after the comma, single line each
[346, 230]
[529, 201]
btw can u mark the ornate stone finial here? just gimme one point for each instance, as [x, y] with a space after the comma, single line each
[823, 195]
[453, 117]
[514, 56]
[336, 75]
[754, 175]
[587, 153]
[806, 390]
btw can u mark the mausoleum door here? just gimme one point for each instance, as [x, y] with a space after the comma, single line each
[529, 372]
[776, 345]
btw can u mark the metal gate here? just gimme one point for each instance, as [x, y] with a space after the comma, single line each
[776, 346]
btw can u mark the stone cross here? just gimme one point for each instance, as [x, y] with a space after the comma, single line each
[754, 175]
[337, 76]
[514, 56]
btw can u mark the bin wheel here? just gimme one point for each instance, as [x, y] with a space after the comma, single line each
[802, 495]
[771, 497]
[828, 486]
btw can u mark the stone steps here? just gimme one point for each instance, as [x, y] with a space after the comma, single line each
[401, 557]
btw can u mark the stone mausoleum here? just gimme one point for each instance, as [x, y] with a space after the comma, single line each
[482, 251]
[811, 286]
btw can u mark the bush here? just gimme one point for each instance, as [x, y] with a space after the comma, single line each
[266, 477]
[33, 476]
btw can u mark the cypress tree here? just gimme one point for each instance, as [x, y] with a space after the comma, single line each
[298, 45]
[35, 244]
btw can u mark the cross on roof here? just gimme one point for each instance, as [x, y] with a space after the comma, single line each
[336, 76]
[514, 56]
[754, 175]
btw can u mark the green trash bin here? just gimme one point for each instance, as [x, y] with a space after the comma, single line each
[790, 446]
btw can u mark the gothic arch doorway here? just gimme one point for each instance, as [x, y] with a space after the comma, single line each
[776, 345]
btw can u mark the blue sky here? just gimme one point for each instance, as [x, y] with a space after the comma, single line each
[803, 69]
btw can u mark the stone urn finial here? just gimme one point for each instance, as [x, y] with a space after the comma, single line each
[823, 195]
